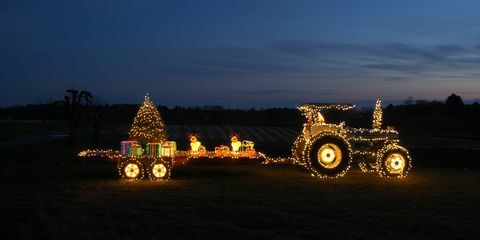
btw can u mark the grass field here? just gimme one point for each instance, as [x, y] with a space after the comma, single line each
[57, 196]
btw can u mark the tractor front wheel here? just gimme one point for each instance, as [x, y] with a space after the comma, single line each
[393, 161]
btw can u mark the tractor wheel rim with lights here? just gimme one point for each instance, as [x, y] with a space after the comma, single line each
[395, 163]
[329, 155]
[159, 170]
[132, 170]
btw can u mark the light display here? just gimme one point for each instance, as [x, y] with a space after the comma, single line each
[336, 165]
[248, 148]
[329, 155]
[297, 150]
[313, 110]
[240, 149]
[148, 125]
[154, 149]
[236, 145]
[169, 148]
[134, 167]
[196, 147]
[133, 161]
[325, 150]
[328, 150]
[222, 151]
[194, 144]
[131, 169]
[98, 153]
[160, 169]
[126, 147]
[368, 167]
[136, 150]
[393, 161]
[278, 160]
[377, 115]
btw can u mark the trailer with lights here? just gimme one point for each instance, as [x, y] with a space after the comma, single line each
[155, 160]
[329, 150]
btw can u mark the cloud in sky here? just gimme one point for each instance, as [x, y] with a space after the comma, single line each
[239, 54]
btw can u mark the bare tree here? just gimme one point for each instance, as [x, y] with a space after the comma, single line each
[74, 101]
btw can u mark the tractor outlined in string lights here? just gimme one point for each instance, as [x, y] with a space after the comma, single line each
[328, 150]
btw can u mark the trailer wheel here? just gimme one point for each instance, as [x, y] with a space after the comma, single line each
[329, 156]
[394, 161]
[159, 170]
[131, 170]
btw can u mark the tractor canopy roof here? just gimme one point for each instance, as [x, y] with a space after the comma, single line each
[317, 107]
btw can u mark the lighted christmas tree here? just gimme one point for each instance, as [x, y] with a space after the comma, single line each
[377, 115]
[148, 125]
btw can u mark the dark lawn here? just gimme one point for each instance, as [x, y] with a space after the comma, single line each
[86, 200]
[13, 129]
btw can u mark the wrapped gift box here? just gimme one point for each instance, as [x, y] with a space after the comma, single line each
[136, 150]
[154, 149]
[126, 147]
[169, 148]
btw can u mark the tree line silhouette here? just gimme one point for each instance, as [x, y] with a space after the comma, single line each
[413, 116]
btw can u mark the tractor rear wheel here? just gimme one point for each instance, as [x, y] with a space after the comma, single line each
[328, 156]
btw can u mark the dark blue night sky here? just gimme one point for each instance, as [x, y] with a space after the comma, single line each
[239, 53]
